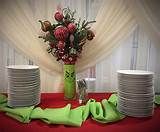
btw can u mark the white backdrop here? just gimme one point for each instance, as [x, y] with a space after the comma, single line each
[136, 52]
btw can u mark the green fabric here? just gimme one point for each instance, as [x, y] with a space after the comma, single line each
[69, 81]
[21, 114]
[3, 100]
[113, 99]
[102, 112]
[86, 110]
[52, 115]
[157, 99]
[75, 117]
[106, 112]
[66, 116]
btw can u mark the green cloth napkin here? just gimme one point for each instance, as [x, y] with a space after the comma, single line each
[3, 100]
[65, 115]
[52, 115]
[157, 99]
[86, 109]
[21, 114]
[102, 112]
[113, 99]
[105, 112]
[75, 117]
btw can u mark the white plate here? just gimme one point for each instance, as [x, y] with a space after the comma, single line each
[128, 94]
[23, 103]
[136, 99]
[14, 85]
[20, 72]
[34, 93]
[25, 83]
[135, 72]
[31, 90]
[135, 96]
[135, 113]
[136, 86]
[23, 76]
[135, 89]
[22, 67]
[135, 81]
[134, 77]
[13, 98]
[137, 104]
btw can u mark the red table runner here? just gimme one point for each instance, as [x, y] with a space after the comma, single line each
[56, 100]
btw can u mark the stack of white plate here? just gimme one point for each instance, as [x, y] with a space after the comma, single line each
[135, 93]
[24, 85]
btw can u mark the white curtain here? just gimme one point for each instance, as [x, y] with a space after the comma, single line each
[136, 52]
[147, 14]
[19, 26]
[115, 21]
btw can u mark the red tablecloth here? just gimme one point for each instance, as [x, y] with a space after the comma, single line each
[53, 100]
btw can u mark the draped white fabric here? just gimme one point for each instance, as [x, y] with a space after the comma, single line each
[19, 26]
[136, 52]
[113, 24]
[115, 21]
[147, 14]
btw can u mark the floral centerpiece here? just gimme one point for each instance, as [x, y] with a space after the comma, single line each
[65, 40]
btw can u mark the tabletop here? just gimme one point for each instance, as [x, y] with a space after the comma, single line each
[56, 100]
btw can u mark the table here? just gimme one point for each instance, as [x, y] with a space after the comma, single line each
[55, 100]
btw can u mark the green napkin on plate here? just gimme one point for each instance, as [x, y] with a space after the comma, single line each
[3, 100]
[157, 99]
[105, 111]
[111, 114]
[21, 114]
[113, 99]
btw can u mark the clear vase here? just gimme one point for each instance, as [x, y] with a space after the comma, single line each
[69, 81]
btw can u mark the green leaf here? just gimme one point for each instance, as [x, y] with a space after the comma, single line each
[83, 23]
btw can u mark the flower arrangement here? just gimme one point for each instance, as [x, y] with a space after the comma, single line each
[66, 38]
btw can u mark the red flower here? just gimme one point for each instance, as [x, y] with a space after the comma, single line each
[52, 45]
[61, 33]
[58, 16]
[61, 44]
[71, 27]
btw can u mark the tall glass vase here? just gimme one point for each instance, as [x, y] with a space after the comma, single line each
[69, 81]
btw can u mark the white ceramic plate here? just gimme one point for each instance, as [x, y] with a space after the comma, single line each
[134, 112]
[135, 72]
[22, 67]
